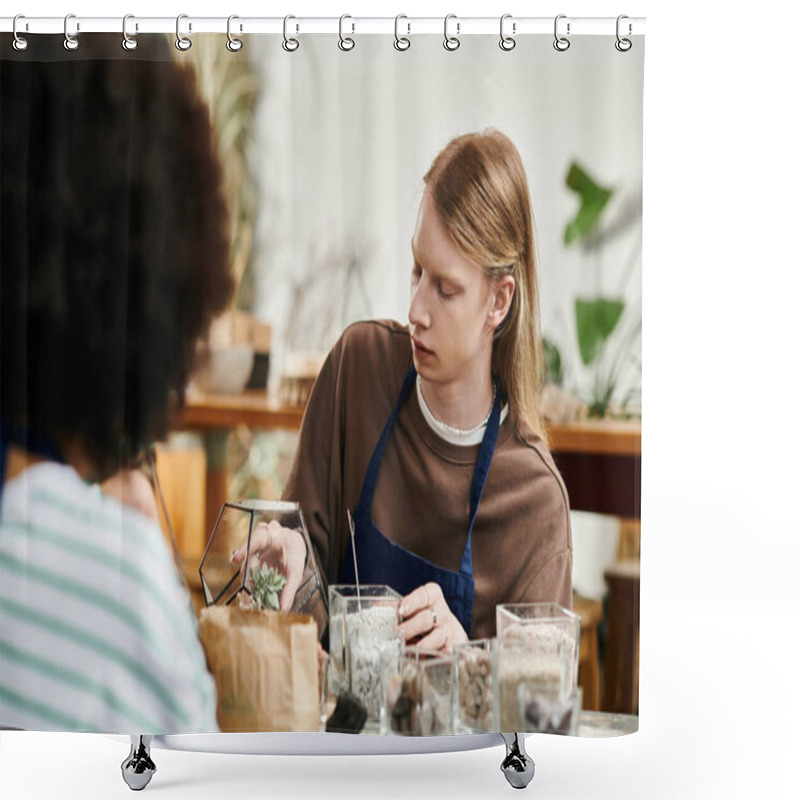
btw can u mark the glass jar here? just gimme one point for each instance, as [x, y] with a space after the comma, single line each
[344, 601]
[420, 696]
[535, 666]
[474, 693]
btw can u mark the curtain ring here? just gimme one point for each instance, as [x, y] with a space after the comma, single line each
[451, 42]
[289, 44]
[346, 42]
[561, 43]
[70, 42]
[623, 45]
[182, 42]
[128, 42]
[233, 44]
[20, 42]
[401, 42]
[507, 42]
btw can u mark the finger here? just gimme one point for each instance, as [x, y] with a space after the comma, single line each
[437, 639]
[420, 623]
[294, 555]
[422, 597]
[289, 591]
[260, 540]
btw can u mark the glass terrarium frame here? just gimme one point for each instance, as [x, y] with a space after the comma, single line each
[255, 511]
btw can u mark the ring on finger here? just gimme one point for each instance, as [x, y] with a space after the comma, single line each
[434, 617]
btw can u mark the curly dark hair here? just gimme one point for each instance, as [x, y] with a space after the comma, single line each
[114, 251]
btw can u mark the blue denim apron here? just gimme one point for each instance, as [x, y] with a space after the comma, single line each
[381, 561]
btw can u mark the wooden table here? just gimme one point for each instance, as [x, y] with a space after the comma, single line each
[600, 461]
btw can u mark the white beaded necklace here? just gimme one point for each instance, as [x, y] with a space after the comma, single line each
[450, 429]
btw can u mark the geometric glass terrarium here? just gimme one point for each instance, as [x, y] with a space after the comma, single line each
[225, 580]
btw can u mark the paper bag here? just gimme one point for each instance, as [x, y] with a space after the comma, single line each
[265, 667]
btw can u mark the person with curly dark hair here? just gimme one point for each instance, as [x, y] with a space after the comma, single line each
[114, 258]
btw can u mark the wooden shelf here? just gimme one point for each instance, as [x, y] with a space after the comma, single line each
[257, 409]
[599, 437]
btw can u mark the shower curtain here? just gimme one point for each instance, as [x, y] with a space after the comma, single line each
[130, 221]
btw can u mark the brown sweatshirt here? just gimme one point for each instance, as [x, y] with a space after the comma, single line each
[521, 542]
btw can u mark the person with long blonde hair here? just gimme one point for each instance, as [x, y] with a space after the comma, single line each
[431, 433]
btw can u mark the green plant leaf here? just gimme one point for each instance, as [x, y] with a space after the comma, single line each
[553, 368]
[267, 583]
[593, 198]
[595, 321]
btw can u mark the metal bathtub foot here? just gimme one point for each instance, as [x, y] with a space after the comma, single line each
[518, 766]
[138, 768]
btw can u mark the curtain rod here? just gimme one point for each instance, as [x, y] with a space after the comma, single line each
[407, 26]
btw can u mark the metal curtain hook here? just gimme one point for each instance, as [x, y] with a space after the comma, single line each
[233, 44]
[70, 42]
[561, 43]
[289, 44]
[401, 42]
[20, 42]
[128, 42]
[451, 42]
[182, 42]
[623, 45]
[346, 42]
[507, 42]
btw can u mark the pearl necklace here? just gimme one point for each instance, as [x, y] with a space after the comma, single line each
[462, 432]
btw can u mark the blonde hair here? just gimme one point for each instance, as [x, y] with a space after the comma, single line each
[479, 188]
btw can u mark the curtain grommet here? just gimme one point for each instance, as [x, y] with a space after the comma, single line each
[507, 43]
[183, 43]
[289, 43]
[128, 42]
[233, 44]
[401, 43]
[623, 44]
[71, 42]
[346, 43]
[561, 43]
[20, 43]
[451, 43]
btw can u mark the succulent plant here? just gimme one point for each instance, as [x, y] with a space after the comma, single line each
[267, 585]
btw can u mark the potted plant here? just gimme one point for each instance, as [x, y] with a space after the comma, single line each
[597, 316]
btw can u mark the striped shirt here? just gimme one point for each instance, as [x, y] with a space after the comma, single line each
[96, 629]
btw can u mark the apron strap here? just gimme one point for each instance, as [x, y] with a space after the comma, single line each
[479, 477]
[371, 478]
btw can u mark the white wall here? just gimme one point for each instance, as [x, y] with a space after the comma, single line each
[345, 138]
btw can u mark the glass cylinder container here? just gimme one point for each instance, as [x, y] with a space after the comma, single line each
[344, 601]
[474, 693]
[420, 697]
[372, 642]
[535, 666]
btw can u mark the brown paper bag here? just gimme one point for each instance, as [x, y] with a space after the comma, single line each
[265, 667]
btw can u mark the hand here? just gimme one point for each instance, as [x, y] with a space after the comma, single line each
[426, 620]
[280, 548]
